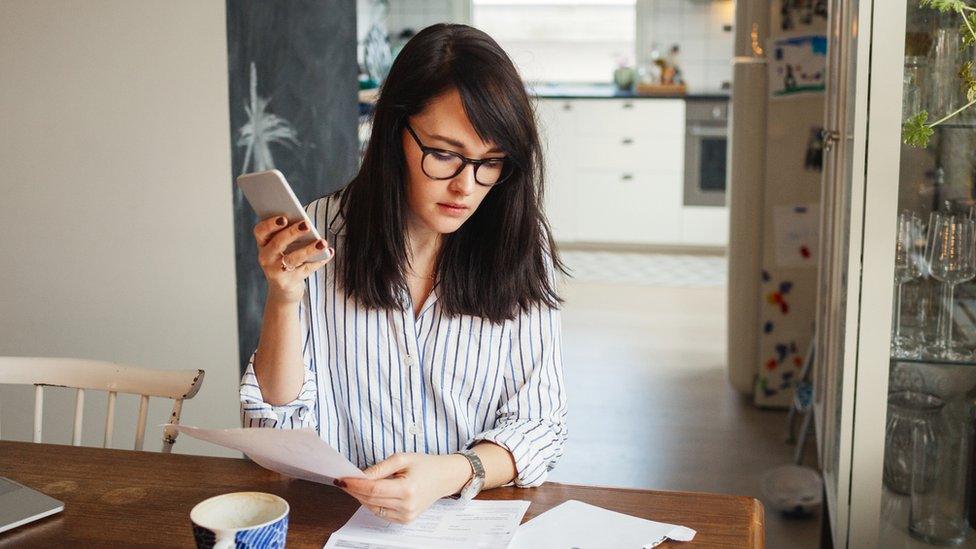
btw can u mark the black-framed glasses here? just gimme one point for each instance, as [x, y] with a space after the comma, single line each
[442, 164]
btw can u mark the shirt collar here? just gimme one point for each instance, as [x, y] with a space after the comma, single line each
[337, 222]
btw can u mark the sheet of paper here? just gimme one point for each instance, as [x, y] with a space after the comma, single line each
[577, 524]
[447, 523]
[298, 453]
[796, 232]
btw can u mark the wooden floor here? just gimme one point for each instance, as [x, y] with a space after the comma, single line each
[650, 404]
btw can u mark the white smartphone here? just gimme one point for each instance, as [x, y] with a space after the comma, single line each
[270, 195]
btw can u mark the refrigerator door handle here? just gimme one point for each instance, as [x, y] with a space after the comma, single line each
[829, 138]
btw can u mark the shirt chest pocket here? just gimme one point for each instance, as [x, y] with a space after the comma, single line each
[475, 350]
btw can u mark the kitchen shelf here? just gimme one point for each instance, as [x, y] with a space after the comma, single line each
[958, 125]
[936, 361]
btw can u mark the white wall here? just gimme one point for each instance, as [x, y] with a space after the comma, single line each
[115, 203]
[417, 14]
[698, 27]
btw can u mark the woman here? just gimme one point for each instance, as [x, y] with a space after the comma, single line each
[429, 350]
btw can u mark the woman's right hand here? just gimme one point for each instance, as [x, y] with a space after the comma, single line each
[273, 235]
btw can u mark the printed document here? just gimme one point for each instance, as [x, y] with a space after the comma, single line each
[298, 453]
[577, 524]
[447, 523]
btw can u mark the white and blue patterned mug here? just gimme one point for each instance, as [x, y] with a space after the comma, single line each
[242, 520]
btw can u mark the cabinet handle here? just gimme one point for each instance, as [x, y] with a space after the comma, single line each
[628, 105]
[567, 106]
[627, 177]
[627, 141]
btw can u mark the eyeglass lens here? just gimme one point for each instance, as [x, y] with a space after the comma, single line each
[443, 166]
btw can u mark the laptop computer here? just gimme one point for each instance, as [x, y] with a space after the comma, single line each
[20, 504]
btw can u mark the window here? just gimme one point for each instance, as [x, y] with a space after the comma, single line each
[561, 40]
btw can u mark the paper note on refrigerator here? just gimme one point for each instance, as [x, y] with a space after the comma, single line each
[796, 235]
[298, 453]
[577, 524]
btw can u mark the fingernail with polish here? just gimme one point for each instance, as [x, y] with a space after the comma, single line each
[280, 222]
[302, 226]
[320, 245]
[339, 483]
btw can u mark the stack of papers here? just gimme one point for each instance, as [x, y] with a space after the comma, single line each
[448, 523]
[577, 524]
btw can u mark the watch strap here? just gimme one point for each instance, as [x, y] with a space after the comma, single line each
[473, 486]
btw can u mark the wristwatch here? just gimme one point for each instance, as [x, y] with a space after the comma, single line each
[473, 487]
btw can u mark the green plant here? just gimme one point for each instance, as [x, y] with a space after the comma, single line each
[917, 130]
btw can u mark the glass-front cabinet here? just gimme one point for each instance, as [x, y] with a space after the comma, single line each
[896, 370]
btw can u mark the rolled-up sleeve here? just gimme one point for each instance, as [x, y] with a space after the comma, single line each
[297, 414]
[531, 418]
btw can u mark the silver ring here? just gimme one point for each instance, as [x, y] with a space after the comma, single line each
[382, 512]
[284, 266]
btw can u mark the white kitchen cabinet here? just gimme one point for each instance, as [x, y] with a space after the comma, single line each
[615, 173]
[557, 128]
[641, 116]
[629, 207]
[627, 150]
[705, 226]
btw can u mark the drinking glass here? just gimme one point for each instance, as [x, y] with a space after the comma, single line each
[913, 417]
[944, 60]
[908, 266]
[938, 511]
[951, 259]
[914, 86]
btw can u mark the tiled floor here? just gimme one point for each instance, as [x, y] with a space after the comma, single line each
[650, 405]
[643, 269]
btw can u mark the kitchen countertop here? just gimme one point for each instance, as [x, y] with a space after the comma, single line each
[580, 91]
[609, 91]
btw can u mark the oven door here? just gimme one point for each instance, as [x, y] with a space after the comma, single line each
[706, 146]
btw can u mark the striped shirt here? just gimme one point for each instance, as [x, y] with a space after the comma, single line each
[382, 381]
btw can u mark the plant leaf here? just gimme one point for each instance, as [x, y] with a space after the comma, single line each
[943, 5]
[968, 80]
[968, 38]
[916, 132]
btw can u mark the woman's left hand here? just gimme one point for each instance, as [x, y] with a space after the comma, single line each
[403, 486]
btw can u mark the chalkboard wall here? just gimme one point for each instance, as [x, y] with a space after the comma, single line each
[293, 106]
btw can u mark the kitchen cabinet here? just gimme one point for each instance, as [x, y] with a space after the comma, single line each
[557, 128]
[615, 173]
[628, 207]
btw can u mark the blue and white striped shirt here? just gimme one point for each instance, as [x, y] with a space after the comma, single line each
[382, 381]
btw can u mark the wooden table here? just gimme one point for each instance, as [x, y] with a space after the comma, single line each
[122, 497]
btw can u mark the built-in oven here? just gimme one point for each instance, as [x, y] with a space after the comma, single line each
[706, 145]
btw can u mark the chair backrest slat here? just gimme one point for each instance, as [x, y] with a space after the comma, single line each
[141, 422]
[109, 420]
[82, 375]
[169, 435]
[79, 416]
[38, 411]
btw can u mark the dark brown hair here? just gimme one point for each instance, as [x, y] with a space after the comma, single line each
[503, 258]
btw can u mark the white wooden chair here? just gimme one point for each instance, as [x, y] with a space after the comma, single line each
[83, 375]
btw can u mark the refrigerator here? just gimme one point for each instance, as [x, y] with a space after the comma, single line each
[775, 163]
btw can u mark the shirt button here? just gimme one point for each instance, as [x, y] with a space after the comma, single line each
[409, 360]
[414, 429]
